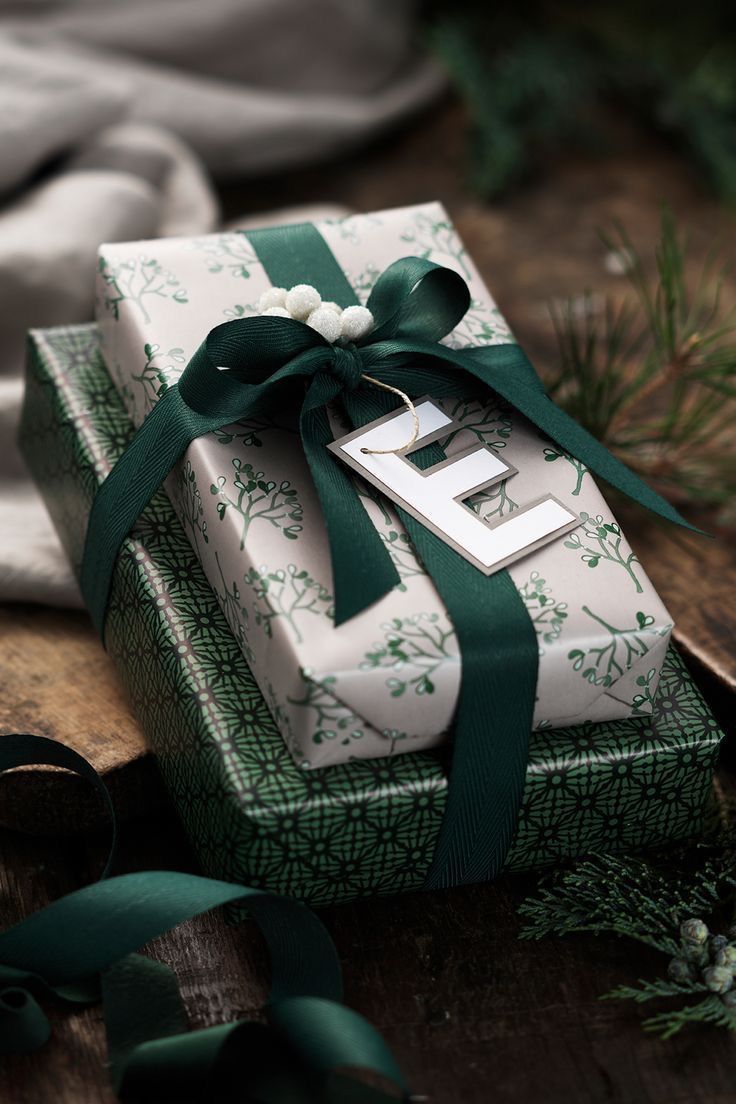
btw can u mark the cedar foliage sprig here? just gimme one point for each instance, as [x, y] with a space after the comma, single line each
[655, 377]
[653, 901]
[627, 896]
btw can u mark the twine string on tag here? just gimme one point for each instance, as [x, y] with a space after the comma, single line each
[410, 407]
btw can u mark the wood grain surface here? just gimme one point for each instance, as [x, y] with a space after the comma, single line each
[472, 1013]
[57, 680]
[696, 578]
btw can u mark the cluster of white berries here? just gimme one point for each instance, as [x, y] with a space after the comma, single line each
[304, 303]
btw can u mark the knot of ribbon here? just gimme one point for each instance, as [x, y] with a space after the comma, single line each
[347, 365]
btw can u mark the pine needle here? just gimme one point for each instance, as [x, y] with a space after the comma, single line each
[655, 379]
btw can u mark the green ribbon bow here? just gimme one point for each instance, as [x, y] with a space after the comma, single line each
[259, 365]
[79, 949]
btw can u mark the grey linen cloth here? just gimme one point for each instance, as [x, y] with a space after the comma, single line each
[114, 115]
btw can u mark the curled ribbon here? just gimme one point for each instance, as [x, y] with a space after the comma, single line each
[80, 949]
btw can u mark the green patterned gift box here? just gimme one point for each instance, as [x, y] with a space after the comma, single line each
[364, 827]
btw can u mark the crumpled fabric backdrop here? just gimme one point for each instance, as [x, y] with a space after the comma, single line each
[113, 118]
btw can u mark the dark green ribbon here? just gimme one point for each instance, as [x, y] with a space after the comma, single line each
[259, 365]
[81, 946]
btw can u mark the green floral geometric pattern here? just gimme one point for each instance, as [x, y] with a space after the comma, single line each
[365, 827]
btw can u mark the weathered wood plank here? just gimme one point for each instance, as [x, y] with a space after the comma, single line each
[57, 680]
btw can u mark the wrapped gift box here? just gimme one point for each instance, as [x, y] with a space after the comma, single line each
[387, 681]
[364, 827]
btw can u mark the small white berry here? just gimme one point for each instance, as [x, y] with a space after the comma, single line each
[272, 297]
[275, 312]
[356, 322]
[333, 307]
[302, 300]
[325, 322]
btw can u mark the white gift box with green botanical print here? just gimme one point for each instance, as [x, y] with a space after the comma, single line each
[386, 681]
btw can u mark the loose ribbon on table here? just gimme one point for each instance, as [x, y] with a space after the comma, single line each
[80, 949]
[256, 366]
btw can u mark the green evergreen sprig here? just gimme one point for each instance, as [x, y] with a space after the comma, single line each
[630, 896]
[657, 902]
[655, 378]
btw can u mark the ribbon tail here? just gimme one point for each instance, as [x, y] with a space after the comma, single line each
[362, 569]
[137, 475]
[141, 1001]
[20, 749]
[298, 1056]
[330, 1036]
[507, 370]
[197, 1065]
[509, 377]
[493, 720]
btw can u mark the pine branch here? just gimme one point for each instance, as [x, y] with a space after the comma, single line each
[656, 379]
[522, 100]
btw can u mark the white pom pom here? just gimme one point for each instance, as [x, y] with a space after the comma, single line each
[356, 322]
[302, 300]
[275, 312]
[272, 297]
[333, 307]
[325, 322]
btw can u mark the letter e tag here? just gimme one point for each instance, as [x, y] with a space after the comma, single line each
[435, 496]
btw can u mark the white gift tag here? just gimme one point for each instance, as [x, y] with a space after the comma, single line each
[435, 496]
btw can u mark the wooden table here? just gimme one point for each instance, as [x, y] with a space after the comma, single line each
[471, 1013]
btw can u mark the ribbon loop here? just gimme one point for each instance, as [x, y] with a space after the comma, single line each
[416, 298]
[61, 951]
[24, 1026]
